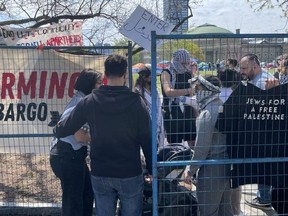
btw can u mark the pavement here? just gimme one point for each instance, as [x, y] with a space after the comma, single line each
[248, 192]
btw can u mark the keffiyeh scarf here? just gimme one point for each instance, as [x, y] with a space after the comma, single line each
[204, 97]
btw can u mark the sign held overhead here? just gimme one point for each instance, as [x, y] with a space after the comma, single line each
[139, 25]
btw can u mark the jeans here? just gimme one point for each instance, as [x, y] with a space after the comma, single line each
[264, 193]
[128, 190]
[71, 168]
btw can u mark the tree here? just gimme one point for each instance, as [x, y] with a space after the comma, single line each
[102, 17]
[266, 4]
[98, 15]
[168, 48]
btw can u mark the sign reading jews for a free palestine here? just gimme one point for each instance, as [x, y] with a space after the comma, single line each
[139, 25]
[264, 109]
[256, 123]
[63, 34]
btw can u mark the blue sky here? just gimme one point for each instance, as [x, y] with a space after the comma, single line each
[233, 14]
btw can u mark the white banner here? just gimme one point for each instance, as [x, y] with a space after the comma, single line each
[63, 34]
[139, 25]
[35, 87]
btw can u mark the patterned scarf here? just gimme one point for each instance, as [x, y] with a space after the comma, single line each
[283, 78]
[177, 66]
[204, 97]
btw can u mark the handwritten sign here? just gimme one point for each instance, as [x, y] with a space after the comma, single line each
[255, 122]
[63, 34]
[265, 109]
[140, 24]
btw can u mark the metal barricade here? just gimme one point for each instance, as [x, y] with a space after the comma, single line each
[36, 84]
[210, 52]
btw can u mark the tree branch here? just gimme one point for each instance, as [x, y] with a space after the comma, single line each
[71, 17]
[23, 21]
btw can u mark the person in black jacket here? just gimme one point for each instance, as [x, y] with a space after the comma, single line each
[116, 117]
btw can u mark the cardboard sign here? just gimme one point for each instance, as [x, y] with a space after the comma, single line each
[140, 24]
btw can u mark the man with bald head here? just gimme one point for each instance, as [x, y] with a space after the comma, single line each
[251, 71]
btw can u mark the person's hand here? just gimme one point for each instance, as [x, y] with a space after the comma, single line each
[270, 83]
[148, 178]
[193, 82]
[191, 91]
[82, 136]
[181, 99]
[187, 177]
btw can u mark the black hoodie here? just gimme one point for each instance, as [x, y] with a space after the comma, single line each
[119, 126]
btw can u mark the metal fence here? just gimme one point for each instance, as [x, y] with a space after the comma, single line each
[36, 85]
[255, 144]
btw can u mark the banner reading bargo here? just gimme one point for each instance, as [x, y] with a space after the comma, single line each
[35, 86]
[63, 34]
[139, 25]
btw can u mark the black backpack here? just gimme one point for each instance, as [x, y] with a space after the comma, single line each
[174, 199]
[173, 152]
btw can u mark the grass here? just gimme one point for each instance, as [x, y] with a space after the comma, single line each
[203, 73]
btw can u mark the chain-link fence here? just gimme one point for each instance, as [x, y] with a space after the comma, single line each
[36, 85]
[242, 142]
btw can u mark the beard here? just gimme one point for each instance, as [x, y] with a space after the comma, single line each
[244, 77]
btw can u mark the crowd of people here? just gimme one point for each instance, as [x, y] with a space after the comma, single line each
[115, 123]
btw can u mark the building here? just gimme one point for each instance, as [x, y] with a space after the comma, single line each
[174, 11]
[224, 44]
[218, 48]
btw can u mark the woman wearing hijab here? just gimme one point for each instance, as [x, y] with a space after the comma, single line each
[179, 121]
[213, 190]
[68, 154]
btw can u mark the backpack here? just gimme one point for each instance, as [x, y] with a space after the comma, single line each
[173, 152]
[174, 199]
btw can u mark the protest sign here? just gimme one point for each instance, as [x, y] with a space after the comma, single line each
[35, 88]
[139, 25]
[255, 122]
[63, 34]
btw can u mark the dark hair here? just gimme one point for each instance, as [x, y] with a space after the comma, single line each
[115, 66]
[285, 62]
[214, 80]
[140, 82]
[281, 57]
[229, 77]
[233, 62]
[144, 71]
[87, 80]
[252, 57]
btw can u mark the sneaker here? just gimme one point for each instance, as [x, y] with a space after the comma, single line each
[257, 204]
